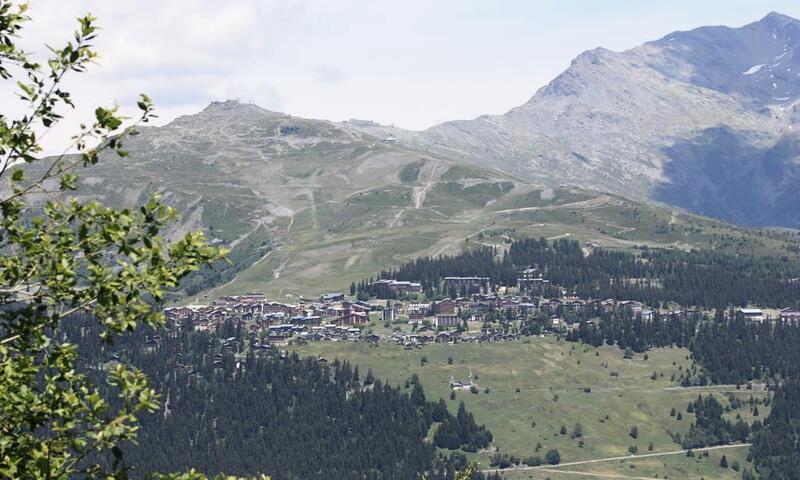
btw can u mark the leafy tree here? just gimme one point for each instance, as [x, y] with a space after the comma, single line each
[61, 256]
[439, 411]
[533, 461]
[553, 457]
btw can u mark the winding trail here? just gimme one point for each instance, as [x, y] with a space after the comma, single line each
[557, 468]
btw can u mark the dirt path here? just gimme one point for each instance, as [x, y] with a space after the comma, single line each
[557, 468]
[582, 204]
[600, 475]
[291, 219]
[456, 242]
[418, 198]
[563, 235]
[421, 192]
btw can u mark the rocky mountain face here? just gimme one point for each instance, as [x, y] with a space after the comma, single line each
[701, 119]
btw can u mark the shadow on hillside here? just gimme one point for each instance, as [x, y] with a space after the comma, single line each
[720, 173]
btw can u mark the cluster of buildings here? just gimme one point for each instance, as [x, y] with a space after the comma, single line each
[333, 316]
[423, 336]
[337, 317]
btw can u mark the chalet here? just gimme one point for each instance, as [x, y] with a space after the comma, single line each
[632, 306]
[398, 287]
[553, 305]
[754, 314]
[418, 307]
[332, 297]
[276, 318]
[790, 314]
[364, 305]
[556, 324]
[254, 297]
[468, 285]
[388, 314]
[180, 313]
[445, 321]
[607, 306]
[574, 304]
[447, 307]
[359, 307]
[333, 312]
[278, 340]
[532, 282]
[480, 306]
[354, 318]
[443, 337]
[458, 385]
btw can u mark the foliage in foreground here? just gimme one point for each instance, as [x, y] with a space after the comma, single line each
[61, 256]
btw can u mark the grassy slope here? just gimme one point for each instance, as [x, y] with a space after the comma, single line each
[329, 245]
[551, 376]
[309, 207]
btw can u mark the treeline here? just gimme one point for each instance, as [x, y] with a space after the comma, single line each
[653, 276]
[734, 350]
[632, 332]
[288, 417]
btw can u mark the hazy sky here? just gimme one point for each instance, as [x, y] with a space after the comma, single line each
[409, 63]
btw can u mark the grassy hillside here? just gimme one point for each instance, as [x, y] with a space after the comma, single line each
[308, 206]
[538, 386]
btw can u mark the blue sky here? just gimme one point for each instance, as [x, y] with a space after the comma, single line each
[411, 63]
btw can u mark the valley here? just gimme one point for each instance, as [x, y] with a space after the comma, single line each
[603, 282]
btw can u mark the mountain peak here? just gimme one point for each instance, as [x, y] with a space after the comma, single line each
[773, 17]
[232, 106]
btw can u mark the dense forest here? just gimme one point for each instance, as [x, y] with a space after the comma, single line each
[735, 350]
[288, 417]
[631, 332]
[701, 277]
[710, 427]
[776, 447]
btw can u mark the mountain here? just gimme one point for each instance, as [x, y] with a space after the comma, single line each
[309, 206]
[703, 120]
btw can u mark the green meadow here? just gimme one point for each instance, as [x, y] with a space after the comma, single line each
[528, 390]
